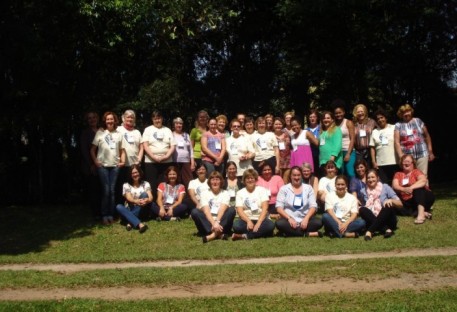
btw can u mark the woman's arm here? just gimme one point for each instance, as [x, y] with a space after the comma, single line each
[93, 155]
[428, 141]
[397, 144]
[148, 151]
[351, 130]
[262, 216]
[140, 153]
[310, 136]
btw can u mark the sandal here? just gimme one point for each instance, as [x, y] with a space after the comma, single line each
[428, 215]
[419, 221]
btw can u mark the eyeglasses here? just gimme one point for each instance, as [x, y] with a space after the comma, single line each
[236, 126]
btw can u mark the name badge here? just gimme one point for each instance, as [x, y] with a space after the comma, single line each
[159, 136]
[112, 144]
[409, 132]
[384, 140]
[170, 199]
[232, 192]
[405, 181]
[268, 192]
[214, 207]
[282, 146]
[362, 133]
[180, 144]
[297, 201]
[218, 145]
[322, 141]
[234, 150]
[254, 207]
[130, 138]
[263, 144]
[338, 211]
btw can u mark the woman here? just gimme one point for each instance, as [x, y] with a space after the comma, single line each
[314, 128]
[412, 186]
[198, 186]
[330, 140]
[239, 148]
[213, 147]
[222, 122]
[379, 208]
[358, 183]
[411, 137]
[296, 204]
[301, 141]
[272, 183]
[269, 121]
[309, 178]
[108, 156]
[138, 196]
[364, 126]
[170, 195]
[232, 183]
[215, 218]
[348, 138]
[287, 119]
[283, 146]
[91, 182]
[159, 145]
[326, 183]
[252, 208]
[183, 156]
[131, 142]
[340, 217]
[201, 126]
[382, 148]
[266, 147]
[249, 128]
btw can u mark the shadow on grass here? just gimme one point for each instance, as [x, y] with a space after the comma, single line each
[26, 229]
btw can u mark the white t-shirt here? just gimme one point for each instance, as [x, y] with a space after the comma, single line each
[264, 145]
[108, 147]
[136, 191]
[252, 202]
[131, 141]
[237, 147]
[213, 201]
[326, 184]
[199, 188]
[159, 142]
[342, 207]
[383, 141]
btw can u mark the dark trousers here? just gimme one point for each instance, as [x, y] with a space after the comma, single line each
[178, 211]
[265, 230]
[271, 161]
[155, 174]
[386, 219]
[284, 227]
[204, 226]
[421, 196]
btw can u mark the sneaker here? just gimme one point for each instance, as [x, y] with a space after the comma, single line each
[143, 229]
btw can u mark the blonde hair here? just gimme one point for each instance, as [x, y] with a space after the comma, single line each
[404, 108]
[223, 117]
[354, 111]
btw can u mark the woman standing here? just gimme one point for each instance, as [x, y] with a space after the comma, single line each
[300, 141]
[239, 148]
[330, 140]
[287, 119]
[379, 208]
[283, 146]
[138, 196]
[382, 144]
[159, 146]
[266, 147]
[340, 217]
[411, 137]
[196, 133]
[183, 156]
[296, 204]
[412, 186]
[215, 218]
[108, 156]
[222, 122]
[252, 208]
[214, 148]
[272, 183]
[348, 138]
[314, 128]
[169, 197]
[364, 126]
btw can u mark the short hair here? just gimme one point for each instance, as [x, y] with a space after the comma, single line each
[342, 177]
[307, 165]
[248, 119]
[404, 108]
[214, 175]
[338, 103]
[359, 162]
[169, 169]
[156, 113]
[315, 112]
[116, 119]
[330, 162]
[178, 120]
[373, 171]
[198, 165]
[128, 112]
[223, 117]
[406, 156]
[265, 164]
[297, 120]
[291, 113]
[249, 173]
[296, 168]
[234, 120]
[381, 112]
[259, 119]
[280, 120]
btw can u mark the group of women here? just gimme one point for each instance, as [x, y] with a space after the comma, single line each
[267, 169]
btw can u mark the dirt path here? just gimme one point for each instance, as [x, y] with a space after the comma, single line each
[76, 267]
[406, 281]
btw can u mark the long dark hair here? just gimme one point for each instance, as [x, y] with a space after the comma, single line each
[138, 168]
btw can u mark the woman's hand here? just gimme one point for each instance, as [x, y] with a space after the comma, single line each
[250, 225]
[304, 224]
[347, 157]
[162, 212]
[292, 222]
[217, 227]
[257, 226]
[343, 227]
[169, 212]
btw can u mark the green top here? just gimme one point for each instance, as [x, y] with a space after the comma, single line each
[331, 145]
[196, 136]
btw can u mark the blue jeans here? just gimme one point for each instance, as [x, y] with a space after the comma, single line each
[108, 177]
[132, 212]
[331, 226]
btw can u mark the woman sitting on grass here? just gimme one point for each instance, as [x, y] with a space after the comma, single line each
[340, 219]
[197, 187]
[138, 195]
[252, 208]
[170, 195]
[215, 218]
[379, 209]
[296, 204]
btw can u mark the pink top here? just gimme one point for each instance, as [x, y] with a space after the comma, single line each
[273, 186]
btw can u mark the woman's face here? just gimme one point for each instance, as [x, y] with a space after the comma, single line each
[361, 170]
[327, 120]
[261, 126]
[340, 186]
[172, 176]
[331, 171]
[92, 120]
[295, 126]
[201, 172]
[157, 121]
[231, 171]
[382, 121]
[241, 118]
[109, 122]
[249, 126]
[129, 120]
[287, 119]
[306, 172]
[339, 114]
[267, 172]
[202, 119]
[278, 126]
[407, 164]
[313, 120]
[178, 126]
[236, 127]
[372, 180]
[221, 125]
[249, 181]
[295, 177]
[215, 184]
[212, 125]
[407, 115]
[360, 114]
[135, 175]
[269, 121]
